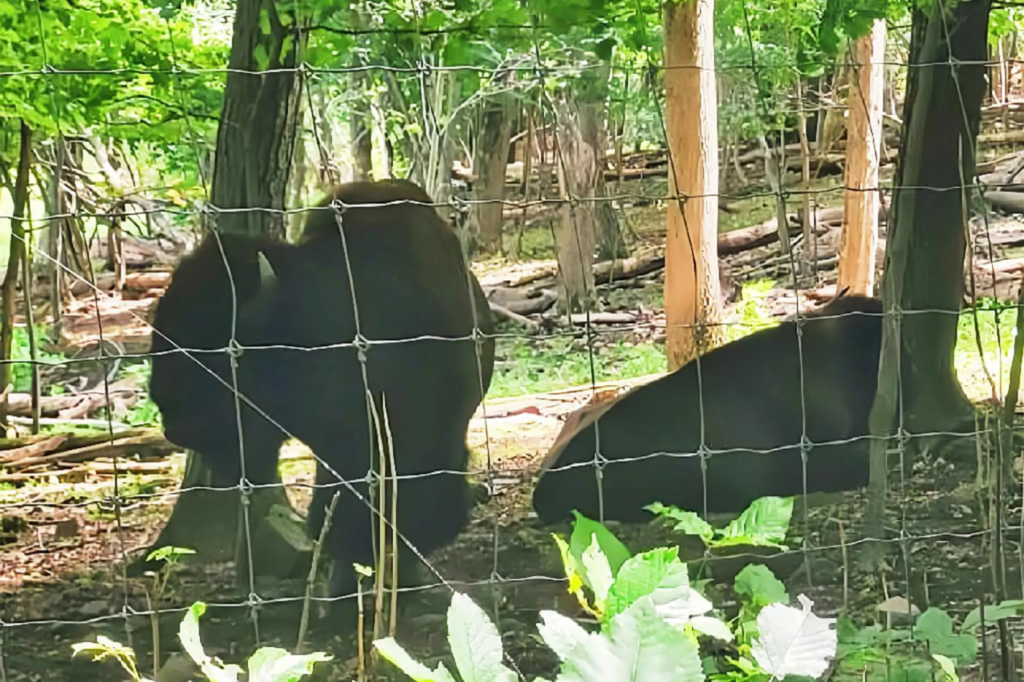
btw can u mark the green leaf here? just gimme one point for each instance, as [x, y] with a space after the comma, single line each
[392, 651]
[271, 664]
[759, 585]
[660, 576]
[260, 56]
[560, 633]
[687, 522]
[947, 668]
[936, 626]
[475, 642]
[582, 531]
[264, 21]
[639, 645]
[598, 572]
[765, 522]
[168, 553]
[994, 613]
[188, 633]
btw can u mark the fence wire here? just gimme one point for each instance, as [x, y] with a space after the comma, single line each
[907, 531]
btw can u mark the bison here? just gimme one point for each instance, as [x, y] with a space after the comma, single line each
[748, 393]
[291, 309]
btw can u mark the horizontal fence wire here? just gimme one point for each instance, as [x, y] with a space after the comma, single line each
[121, 502]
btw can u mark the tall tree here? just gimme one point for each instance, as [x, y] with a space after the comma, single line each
[692, 291]
[255, 146]
[863, 150]
[926, 244]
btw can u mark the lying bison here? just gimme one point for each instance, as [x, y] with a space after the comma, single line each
[753, 415]
[290, 308]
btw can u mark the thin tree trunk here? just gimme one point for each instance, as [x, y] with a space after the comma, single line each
[863, 153]
[577, 229]
[810, 251]
[692, 290]
[491, 159]
[14, 263]
[926, 242]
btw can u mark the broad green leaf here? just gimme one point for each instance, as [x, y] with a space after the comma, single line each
[393, 652]
[660, 576]
[794, 641]
[271, 664]
[759, 585]
[582, 531]
[947, 668]
[639, 646]
[764, 523]
[994, 613]
[475, 642]
[560, 633]
[712, 627]
[936, 626]
[687, 522]
[188, 633]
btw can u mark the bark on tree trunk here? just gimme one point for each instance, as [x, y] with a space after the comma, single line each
[578, 171]
[940, 126]
[14, 262]
[489, 168]
[255, 145]
[863, 151]
[257, 131]
[692, 287]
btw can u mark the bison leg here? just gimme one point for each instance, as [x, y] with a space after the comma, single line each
[190, 526]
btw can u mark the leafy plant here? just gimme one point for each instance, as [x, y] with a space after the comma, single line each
[764, 523]
[267, 664]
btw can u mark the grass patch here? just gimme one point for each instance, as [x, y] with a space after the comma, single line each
[541, 365]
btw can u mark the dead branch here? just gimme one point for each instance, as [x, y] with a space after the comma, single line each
[150, 445]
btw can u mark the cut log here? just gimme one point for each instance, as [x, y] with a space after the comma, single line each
[140, 282]
[1012, 202]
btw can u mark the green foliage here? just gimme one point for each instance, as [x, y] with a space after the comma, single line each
[764, 523]
[651, 625]
[267, 664]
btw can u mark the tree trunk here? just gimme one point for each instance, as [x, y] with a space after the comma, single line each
[926, 242]
[255, 146]
[692, 294]
[489, 170]
[257, 131]
[14, 262]
[578, 171]
[863, 151]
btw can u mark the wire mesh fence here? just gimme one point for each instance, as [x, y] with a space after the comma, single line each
[306, 309]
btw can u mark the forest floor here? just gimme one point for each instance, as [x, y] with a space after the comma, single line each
[62, 548]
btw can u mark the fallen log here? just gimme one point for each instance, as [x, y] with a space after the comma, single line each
[502, 311]
[1004, 137]
[15, 449]
[140, 282]
[66, 406]
[150, 444]
[1012, 202]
